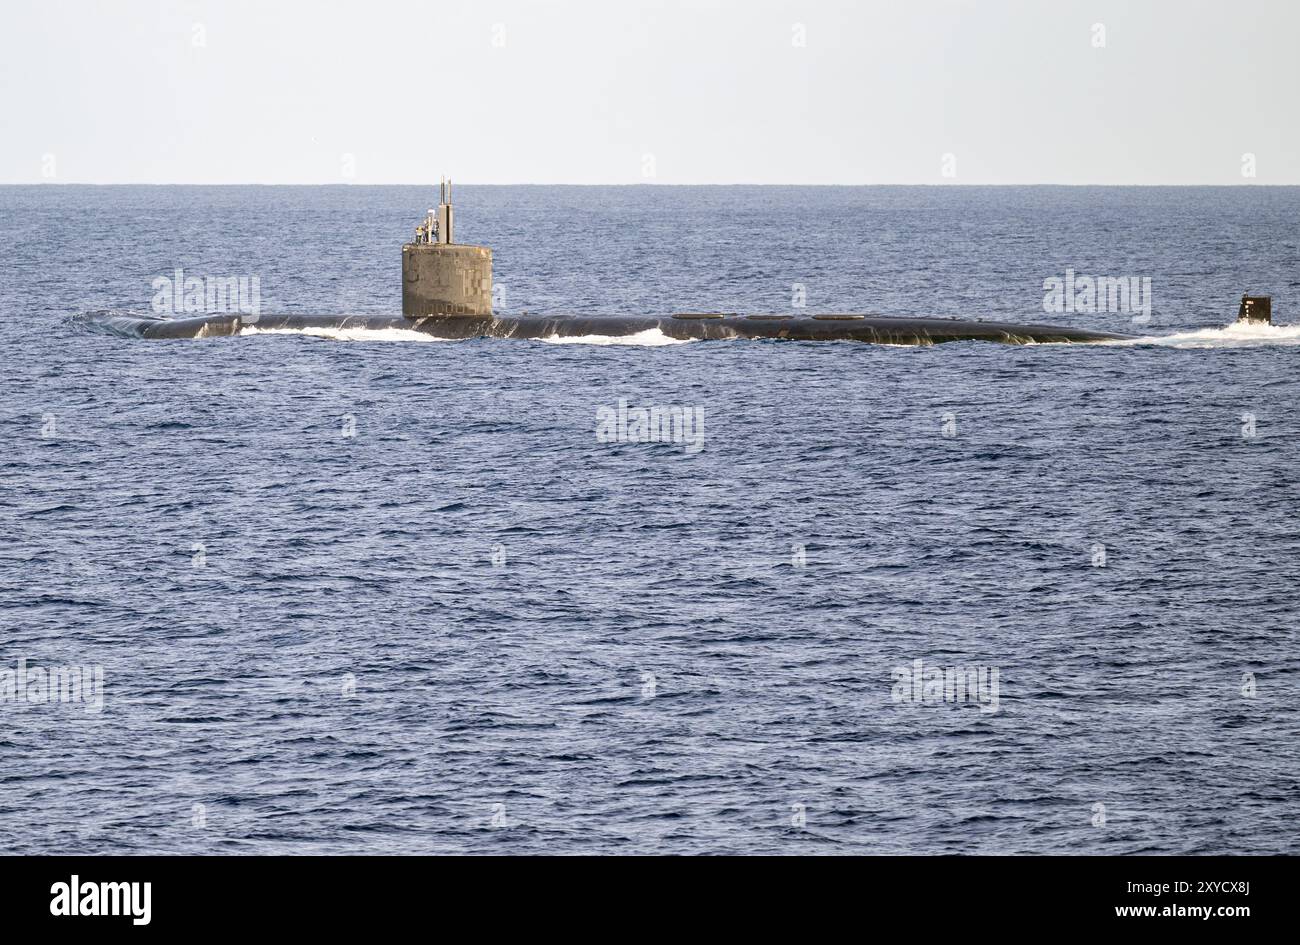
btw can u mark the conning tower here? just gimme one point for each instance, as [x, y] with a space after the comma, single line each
[1256, 308]
[441, 276]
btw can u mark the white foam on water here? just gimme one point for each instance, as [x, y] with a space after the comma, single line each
[650, 338]
[347, 334]
[1236, 335]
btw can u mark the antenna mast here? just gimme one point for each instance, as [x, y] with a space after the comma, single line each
[444, 213]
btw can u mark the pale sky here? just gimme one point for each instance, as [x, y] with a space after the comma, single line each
[631, 91]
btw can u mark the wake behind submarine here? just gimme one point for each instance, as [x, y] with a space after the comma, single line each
[447, 293]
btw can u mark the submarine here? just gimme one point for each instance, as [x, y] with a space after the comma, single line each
[447, 293]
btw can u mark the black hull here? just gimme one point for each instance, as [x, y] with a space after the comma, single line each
[875, 329]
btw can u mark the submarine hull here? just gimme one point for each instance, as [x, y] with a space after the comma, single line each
[873, 329]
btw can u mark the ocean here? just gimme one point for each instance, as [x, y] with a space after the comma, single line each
[361, 592]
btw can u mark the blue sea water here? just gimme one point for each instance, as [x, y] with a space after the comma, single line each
[385, 595]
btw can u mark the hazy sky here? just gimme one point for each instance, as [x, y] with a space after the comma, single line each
[805, 91]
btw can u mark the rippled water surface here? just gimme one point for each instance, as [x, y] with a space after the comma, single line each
[368, 594]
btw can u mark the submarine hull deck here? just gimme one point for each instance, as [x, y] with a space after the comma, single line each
[876, 329]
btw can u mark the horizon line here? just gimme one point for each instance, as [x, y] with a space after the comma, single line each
[75, 183]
